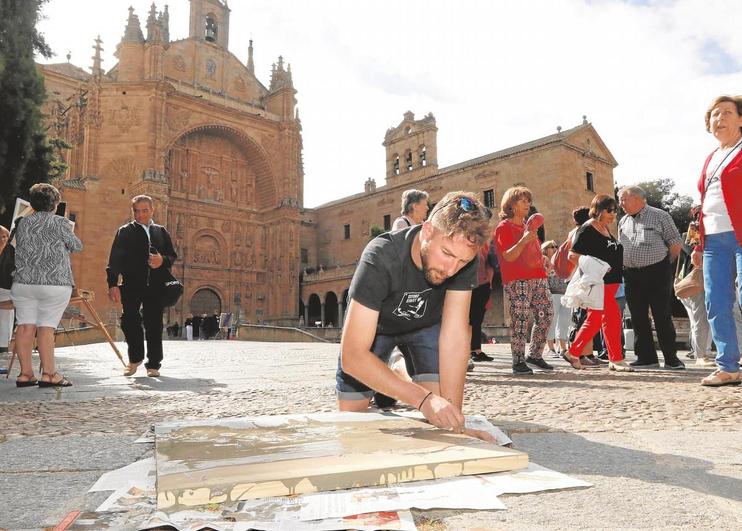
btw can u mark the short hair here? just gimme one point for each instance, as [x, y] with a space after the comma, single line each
[600, 203]
[462, 213]
[547, 244]
[581, 214]
[43, 197]
[139, 198]
[410, 197]
[4, 231]
[512, 196]
[633, 190]
[737, 100]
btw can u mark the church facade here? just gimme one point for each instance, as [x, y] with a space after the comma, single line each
[188, 123]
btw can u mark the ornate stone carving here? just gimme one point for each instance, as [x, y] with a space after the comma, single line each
[176, 119]
[207, 251]
[125, 167]
[268, 142]
[210, 68]
[154, 176]
[227, 226]
[288, 202]
[239, 84]
[126, 117]
[179, 63]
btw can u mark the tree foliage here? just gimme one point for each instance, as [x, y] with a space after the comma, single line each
[661, 194]
[25, 154]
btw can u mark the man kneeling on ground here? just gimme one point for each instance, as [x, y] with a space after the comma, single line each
[412, 289]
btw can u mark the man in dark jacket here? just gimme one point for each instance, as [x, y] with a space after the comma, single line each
[141, 253]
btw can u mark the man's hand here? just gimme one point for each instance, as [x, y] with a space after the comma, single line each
[480, 434]
[443, 414]
[696, 258]
[155, 260]
[114, 294]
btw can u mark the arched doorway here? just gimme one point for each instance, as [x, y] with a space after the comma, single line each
[315, 310]
[206, 301]
[331, 309]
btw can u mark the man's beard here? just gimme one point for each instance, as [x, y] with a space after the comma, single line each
[429, 272]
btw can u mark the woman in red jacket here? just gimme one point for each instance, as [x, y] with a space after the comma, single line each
[721, 234]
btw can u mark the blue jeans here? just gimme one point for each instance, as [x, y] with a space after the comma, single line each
[421, 346]
[722, 264]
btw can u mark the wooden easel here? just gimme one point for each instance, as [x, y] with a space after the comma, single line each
[79, 297]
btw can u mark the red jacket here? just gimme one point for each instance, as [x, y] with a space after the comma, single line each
[731, 190]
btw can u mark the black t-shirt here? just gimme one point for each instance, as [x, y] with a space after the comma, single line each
[590, 242]
[386, 280]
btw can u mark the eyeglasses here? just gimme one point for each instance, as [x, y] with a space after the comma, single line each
[611, 210]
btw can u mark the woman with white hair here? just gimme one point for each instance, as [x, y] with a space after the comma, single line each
[720, 222]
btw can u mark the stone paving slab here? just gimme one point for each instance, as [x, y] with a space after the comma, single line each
[662, 451]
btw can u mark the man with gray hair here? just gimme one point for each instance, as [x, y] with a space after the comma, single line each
[651, 242]
[414, 209]
[141, 253]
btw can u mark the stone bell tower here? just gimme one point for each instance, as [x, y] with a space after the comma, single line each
[210, 21]
[411, 149]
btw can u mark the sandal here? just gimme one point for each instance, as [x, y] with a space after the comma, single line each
[574, 361]
[62, 382]
[32, 381]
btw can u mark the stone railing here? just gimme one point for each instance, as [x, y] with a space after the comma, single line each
[330, 273]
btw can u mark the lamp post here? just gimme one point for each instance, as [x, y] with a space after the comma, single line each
[182, 299]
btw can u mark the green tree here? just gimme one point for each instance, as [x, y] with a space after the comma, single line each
[661, 194]
[376, 231]
[25, 154]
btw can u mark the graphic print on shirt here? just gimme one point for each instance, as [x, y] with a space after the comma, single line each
[413, 304]
[612, 244]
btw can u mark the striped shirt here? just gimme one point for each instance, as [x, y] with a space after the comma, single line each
[44, 242]
[646, 237]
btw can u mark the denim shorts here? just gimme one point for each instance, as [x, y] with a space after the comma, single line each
[422, 346]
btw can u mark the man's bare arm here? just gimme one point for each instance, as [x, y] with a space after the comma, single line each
[454, 345]
[674, 252]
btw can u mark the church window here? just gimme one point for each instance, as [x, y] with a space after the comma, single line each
[346, 231]
[395, 165]
[211, 29]
[423, 156]
[304, 256]
[489, 198]
[387, 222]
[589, 184]
[408, 160]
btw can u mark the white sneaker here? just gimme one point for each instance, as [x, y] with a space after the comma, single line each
[553, 354]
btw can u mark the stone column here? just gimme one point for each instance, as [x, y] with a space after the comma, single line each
[306, 315]
[341, 314]
[322, 313]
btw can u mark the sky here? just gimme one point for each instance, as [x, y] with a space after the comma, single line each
[495, 73]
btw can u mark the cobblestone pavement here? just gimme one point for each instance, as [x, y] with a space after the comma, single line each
[604, 411]
[219, 379]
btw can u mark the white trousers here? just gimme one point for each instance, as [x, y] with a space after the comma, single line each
[189, 332]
